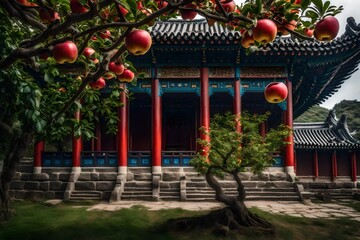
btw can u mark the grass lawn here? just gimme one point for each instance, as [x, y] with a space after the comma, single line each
[69, 221]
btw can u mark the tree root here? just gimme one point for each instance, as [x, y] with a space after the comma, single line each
[221, 222]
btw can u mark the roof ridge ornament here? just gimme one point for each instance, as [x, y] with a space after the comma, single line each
[352, 29]
[331, 120]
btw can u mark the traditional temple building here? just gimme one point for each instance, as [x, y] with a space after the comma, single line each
[192, 72]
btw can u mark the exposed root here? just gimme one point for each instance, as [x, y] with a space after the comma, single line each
[221, 222]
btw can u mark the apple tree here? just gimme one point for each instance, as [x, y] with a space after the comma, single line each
[56, 54]
[231, 151]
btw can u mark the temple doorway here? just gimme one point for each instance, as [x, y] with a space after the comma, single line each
[179, 121]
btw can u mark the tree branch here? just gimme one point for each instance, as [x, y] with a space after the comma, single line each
[5, 129]
[21, 53]
[16, 11]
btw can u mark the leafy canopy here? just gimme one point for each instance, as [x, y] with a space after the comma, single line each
[231, 151]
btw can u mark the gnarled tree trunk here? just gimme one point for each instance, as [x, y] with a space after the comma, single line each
[18, 143]
[232, 218]
[241, 215]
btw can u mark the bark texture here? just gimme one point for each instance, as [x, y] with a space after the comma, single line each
[231, 218]
[18, 143]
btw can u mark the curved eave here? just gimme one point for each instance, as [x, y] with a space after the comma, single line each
[317, 69]
[331, 134]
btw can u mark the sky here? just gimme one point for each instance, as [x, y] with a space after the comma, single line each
[350, 89]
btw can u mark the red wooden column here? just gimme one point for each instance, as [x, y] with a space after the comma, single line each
[334, 165]
[289, 149]
[316, 164]
[353, 166]
[123, 149]
[237, 101]
[156, 124]
[76, 148]
[204, 104]
[38, 149]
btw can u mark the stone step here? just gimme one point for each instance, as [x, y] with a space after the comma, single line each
[138, 197]
[169, 189]
[247, 184]
[272, 198]
[85, 195]
[136, 189]
[246, 189]
[169, 194]
[271, 194]
[170, 198]
[126, 192]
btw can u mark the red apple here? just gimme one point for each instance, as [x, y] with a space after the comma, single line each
[65, 52]
[123, 10]
[88, 51]
[116, 67]
[309, 32]
[228, 5]
[126, 76]
[139, 5]
[265, 31]
[76, 7]
[105, 34]
[138, 42]
[161, 4]
[99, 84]
[326, 29]
[247, 40]
[48, 15]
[188, 14]
[276, 92]
[27, 3]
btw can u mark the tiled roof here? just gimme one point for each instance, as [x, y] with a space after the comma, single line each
[316, 69]
[332, 133]
[178, 30]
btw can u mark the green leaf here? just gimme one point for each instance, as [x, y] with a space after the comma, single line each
[258, 7]
[78, 105]
[27, 89]
[305, 4]
[319, 5]
[47, 77]
[326, 6]
[39, 127]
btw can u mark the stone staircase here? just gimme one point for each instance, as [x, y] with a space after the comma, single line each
[338, 190]
[137, 190]
[94, 184]
[170, 191]
[255, 191]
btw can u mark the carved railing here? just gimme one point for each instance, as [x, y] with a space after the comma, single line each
[56, 159]
[139, 159]
[177, 158]
[99, 159]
